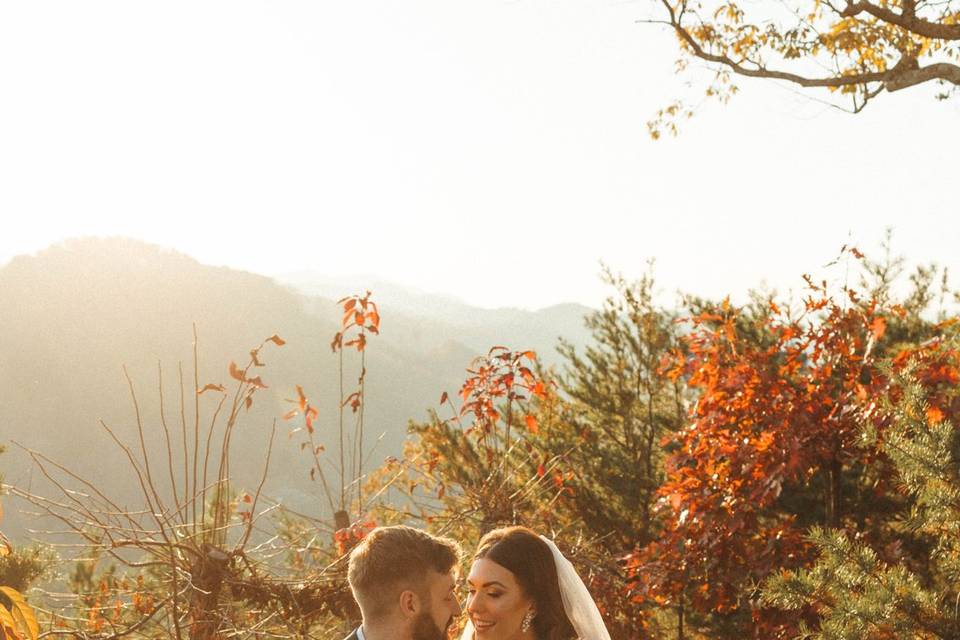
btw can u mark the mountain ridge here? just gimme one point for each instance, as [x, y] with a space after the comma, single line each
[76, 316]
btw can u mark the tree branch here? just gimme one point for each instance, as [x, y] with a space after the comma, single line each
[906, 20]
[899, 77]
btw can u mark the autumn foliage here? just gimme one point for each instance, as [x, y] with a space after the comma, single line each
[17, 618]
[704, 470]
[775, 446]
[848, 52]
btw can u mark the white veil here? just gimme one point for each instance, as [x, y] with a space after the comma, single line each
[579, 606]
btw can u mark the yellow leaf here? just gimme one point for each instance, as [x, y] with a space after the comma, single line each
[6, 620]
[22, 612]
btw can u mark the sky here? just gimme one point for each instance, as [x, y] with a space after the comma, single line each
[495, 150]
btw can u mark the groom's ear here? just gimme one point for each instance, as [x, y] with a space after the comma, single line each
[410, 604]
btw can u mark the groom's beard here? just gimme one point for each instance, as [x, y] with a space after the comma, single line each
[424, 628]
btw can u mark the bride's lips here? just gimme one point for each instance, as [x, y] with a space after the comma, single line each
[481, 625]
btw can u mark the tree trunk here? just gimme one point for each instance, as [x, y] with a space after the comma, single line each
[832, 493]
[207, 577]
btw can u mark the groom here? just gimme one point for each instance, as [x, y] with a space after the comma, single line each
[404, 581]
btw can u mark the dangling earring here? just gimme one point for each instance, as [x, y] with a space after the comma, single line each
[527, 621]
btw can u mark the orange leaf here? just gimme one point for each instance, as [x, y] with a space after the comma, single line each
[290, 414]
[235, 372]
[277, 340]
[211, 387]
[934, 415]
[878, 327]
[443, 397]
[247, 498]
[532, 424]
[301, 399]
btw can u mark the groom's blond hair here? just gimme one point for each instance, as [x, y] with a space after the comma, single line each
[392, 559]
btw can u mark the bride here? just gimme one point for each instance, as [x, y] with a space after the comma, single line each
[522, 588]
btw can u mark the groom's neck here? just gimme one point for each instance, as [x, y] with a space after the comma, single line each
[381, 631]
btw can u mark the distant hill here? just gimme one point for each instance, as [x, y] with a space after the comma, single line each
[72, 315]
[423, 316]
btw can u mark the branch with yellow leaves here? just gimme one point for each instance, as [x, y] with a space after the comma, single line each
[859, 48]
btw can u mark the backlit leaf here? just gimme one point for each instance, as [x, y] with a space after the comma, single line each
[235, 372]
[22, 612]
[532, 425]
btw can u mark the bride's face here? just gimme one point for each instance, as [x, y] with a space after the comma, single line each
[495, 602]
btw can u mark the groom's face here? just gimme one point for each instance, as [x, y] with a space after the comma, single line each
[441, 607]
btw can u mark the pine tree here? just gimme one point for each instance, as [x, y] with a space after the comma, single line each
[854, 592]
[617, 408]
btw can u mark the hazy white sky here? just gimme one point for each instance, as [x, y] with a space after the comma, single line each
[492, 149]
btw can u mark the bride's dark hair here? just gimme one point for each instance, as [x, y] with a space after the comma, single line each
[529, 559]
